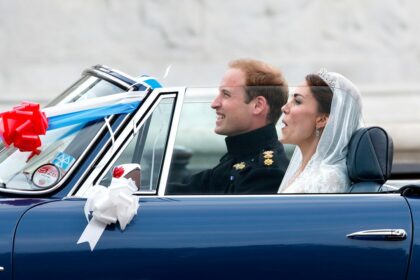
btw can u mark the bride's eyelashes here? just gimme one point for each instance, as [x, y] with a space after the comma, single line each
[297, 99]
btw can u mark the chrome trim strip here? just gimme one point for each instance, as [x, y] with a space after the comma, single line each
[171, 143]
[141, 194]
[1, 268]
[86, 175]
[108, 69]
[107, 77]
[96, 173]
[379, 234]
[282, 195]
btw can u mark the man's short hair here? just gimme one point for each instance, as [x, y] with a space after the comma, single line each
[264, 80]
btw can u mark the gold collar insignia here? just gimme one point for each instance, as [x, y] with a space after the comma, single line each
[239, 166]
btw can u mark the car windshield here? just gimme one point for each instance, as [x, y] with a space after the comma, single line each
[86, 88]
[61, 147]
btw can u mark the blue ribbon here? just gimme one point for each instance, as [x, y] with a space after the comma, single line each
[153, 83]
[85, 116]
[90, 115]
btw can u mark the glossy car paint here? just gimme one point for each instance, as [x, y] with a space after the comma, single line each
[267, 237]
[414, 269]
[10, 212]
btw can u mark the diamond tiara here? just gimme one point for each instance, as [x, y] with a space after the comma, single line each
[323, 74]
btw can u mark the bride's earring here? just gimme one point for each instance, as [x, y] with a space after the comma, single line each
[317, 132]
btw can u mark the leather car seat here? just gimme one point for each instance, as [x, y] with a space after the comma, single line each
[369, 159]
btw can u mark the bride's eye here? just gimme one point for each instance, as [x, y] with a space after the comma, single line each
[297, 99]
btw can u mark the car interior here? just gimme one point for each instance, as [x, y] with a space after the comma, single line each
[369, 159]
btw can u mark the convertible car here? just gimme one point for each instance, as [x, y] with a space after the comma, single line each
[367, 233]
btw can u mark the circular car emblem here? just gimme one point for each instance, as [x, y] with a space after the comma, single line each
[46, 175]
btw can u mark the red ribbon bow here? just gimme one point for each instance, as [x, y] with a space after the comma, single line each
[118, 172]
[22, 126]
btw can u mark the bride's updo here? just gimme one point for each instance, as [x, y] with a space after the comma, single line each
[321, 91]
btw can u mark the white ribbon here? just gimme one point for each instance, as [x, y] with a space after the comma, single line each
[109, 205]
[93, 103]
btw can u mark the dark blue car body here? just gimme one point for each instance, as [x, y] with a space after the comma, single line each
[206, 236]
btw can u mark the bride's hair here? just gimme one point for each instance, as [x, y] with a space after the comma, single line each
[321, 91]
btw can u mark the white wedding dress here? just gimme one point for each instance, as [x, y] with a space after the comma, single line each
[316, 178]
[326, 172]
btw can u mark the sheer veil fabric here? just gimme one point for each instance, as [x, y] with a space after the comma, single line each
[326, 172]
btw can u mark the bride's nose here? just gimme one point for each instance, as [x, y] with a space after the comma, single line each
[285, 108]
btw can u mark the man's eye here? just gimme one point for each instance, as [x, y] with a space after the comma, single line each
[298, 102]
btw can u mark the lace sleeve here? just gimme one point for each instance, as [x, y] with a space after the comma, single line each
[320, 179]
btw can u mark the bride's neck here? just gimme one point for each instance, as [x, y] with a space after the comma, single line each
[308, 150]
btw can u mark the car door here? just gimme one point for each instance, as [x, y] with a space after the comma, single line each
[225, 237]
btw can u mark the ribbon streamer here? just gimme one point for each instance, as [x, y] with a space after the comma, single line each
[109, 205]
[23, 125]
[96, 108]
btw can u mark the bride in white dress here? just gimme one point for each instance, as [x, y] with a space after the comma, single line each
[319, 118]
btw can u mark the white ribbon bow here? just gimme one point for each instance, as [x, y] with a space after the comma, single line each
[109, 205]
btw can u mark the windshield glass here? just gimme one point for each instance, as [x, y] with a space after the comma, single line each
[60, 149]
[86, 88]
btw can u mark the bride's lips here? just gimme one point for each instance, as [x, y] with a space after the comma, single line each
[283, 124]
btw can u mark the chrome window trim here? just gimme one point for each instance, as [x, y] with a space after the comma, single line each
[106, 68]
[170, 144]
[107, 77]
[283, 195]
[86, 176]
[174, 197]
[109, 157]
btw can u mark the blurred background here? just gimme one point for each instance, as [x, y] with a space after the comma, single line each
[46, 44]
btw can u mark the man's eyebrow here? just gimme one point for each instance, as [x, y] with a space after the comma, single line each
[297, 94]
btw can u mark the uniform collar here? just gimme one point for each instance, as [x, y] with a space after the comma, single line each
[251, 142]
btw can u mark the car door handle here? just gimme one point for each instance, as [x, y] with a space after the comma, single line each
[379, 234]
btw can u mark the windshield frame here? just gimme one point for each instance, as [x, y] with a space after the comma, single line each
[95, 72]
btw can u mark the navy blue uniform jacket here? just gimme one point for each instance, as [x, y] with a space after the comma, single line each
[254, 164]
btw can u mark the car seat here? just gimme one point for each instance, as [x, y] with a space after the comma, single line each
[369, 159]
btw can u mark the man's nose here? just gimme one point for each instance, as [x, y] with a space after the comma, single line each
[215, 103]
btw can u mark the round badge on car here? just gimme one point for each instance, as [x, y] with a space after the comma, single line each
[46, 175]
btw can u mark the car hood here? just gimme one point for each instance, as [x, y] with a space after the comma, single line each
[11, 210]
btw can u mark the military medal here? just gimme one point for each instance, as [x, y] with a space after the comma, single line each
[268, 158]
[239, 166]
[268, 161]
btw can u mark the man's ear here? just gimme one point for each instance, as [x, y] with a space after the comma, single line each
[321, 121]
[260, 104]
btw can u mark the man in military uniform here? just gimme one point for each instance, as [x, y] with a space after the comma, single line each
[248, 106]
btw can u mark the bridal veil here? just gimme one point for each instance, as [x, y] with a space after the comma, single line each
[326, 172]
